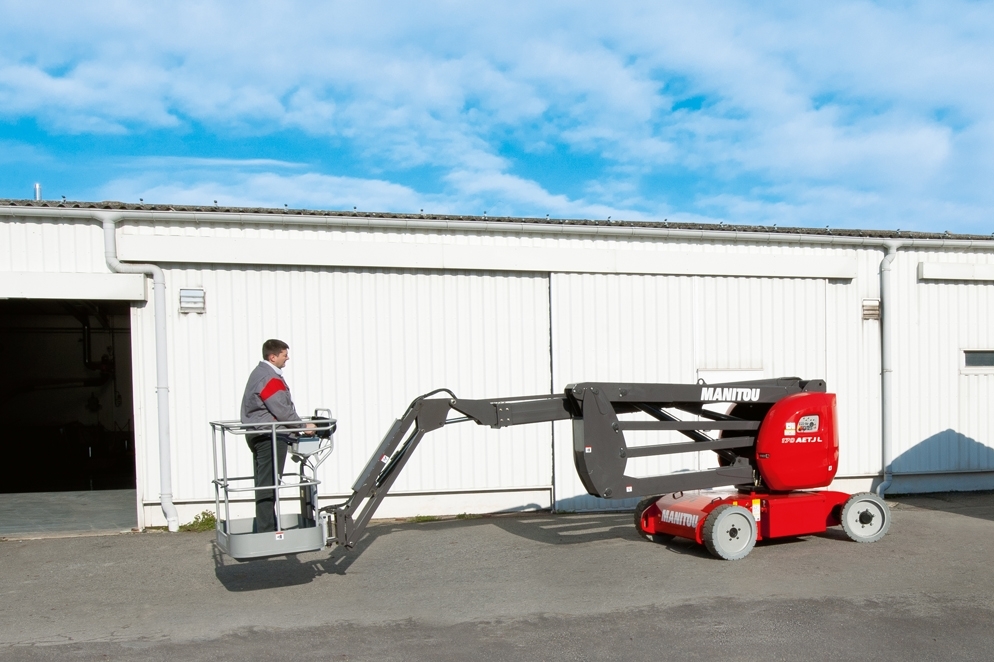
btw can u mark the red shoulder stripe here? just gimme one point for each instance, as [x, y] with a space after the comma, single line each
[274, 386]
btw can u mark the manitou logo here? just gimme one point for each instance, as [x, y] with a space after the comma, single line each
[678, 518]
[730, 394]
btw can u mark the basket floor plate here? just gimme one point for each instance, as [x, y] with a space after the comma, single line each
[241, 544]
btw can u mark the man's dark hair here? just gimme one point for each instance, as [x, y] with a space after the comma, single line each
[273, 347]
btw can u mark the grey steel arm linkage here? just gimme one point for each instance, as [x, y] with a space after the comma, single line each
[600, 453]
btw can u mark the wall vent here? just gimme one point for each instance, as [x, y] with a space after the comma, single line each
[871, 309]
[192, 301]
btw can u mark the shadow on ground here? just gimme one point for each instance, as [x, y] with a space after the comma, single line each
[544, 528]
[970, 504]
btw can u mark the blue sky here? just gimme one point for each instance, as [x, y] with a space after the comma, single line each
[846, 114]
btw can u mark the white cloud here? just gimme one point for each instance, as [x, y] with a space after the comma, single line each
[12, 151]
[881, 113]
[239, 184]
[263, 189]
[192, 162]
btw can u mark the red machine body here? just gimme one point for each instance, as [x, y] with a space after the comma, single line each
[798, 446]
[797, 449]
[777, 515]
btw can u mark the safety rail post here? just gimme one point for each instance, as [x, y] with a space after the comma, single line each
[277, 477]
[217, 492]
[224, 467]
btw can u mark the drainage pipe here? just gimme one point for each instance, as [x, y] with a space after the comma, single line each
[887, 341]
[109, 222]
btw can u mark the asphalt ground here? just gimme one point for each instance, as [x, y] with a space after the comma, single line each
[524, 587]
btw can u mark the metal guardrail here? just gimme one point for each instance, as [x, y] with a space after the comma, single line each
[311, 443]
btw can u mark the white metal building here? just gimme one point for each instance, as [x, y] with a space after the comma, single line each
[379, 308]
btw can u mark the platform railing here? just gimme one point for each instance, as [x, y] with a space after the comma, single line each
[310, 444]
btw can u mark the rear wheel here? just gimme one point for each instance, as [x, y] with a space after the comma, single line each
[640, 509]
[865, 517]
[729, 532]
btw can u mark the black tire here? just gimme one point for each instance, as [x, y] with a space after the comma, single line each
[865, 517]
[651, 537]
[729, 532]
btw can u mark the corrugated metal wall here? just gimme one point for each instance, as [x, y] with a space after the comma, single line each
[679, 328]
[852, 367]
[618, 328]
[945, 420]
[366, 341]
[51, 246]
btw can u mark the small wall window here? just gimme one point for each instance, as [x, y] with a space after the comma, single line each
[979, 358]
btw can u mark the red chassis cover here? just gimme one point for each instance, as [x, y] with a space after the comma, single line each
[777, 515]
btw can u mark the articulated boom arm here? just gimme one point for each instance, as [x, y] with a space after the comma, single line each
[600, 452]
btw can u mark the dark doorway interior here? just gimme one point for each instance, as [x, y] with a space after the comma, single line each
[66, 396]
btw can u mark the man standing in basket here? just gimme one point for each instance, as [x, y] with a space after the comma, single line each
[267, 399]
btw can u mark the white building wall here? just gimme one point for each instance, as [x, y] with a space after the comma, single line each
[852, 370]
[48, 246]
[619, 328]
[678, 329]
[364, 343]
[376, 317]
[943, 431]
[728, 321]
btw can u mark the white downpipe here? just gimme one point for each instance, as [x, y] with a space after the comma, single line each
[887, 363]
[109, 222]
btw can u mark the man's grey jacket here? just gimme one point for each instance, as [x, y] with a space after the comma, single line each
[267, 397]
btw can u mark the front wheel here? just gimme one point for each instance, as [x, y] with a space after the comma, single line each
[729, 532]
[865, 517]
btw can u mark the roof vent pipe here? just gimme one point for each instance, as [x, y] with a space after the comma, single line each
[161, 366]
[37, 191]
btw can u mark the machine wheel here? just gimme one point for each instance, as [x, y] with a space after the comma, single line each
[729, 532]
[639, 509]
[865, 517]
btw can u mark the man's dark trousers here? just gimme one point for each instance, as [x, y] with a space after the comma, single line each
[262, 458]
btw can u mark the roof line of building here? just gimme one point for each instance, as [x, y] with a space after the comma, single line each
[620, 228]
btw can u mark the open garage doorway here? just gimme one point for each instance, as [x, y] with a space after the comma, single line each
[67, 436]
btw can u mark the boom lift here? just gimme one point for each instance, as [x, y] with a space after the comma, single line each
[777, 440]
